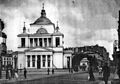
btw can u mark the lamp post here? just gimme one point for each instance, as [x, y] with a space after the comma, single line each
[0, 66]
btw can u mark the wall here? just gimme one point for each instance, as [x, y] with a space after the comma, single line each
[58, 60]
[21, 61]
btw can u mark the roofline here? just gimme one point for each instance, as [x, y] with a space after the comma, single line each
[32, 24]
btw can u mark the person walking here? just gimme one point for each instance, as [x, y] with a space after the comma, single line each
[91, 75]
[52, 71]
[9, 74]
[12, 73]
[48, 71]
[106, 73]
[25, 73]
[100, 71]
[16, 73]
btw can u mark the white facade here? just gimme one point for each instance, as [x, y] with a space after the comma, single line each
[42, 47]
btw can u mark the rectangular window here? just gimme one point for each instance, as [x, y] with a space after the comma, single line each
[45, 41]
[57, 41]
[38, 57]
[44, 60]
[33, 60]
[48, 60]
[22, 42]
[31, 42]
[48, 63]
[28, 60]
[49, 40]
[40, 42]
[35, 42]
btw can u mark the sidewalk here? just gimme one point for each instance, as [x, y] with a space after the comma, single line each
[33, 76]
[80, 77]
[102, 82]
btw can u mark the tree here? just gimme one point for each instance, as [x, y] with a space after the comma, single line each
[1, 25]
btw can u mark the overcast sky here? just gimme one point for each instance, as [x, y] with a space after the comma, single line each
[83, 22]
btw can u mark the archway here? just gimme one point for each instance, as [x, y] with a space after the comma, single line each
[79, 56]
[92, 63]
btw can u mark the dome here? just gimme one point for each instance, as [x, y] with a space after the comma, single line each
[42, 31]
[42, 21]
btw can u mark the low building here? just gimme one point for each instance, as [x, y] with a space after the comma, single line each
[7, 60]
[3, 47]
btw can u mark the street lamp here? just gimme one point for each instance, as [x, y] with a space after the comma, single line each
[0, 66]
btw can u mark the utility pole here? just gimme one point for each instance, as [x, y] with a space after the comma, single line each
[0, 66]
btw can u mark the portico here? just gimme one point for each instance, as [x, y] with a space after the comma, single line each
[41, 42]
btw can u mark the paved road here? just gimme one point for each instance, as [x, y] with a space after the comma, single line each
[76, 78]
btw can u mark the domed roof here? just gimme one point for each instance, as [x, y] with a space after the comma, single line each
[42, 20]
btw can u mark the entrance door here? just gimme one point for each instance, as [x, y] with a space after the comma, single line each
[68, 62]
[38, 62]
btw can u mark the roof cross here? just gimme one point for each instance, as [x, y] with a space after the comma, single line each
[43, 5]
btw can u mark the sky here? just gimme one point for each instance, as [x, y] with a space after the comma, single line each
[83, 22]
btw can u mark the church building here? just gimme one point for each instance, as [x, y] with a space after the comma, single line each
[42, 46]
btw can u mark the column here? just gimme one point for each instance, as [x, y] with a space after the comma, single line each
[30, 61]
[41, 61]
[25, 61]
[12, 61]
[38, 43]
[35, 61]
[70, 62]
[28, 42]
[47, 42]
[46, 62]
[33, 42]
[51, 61]
[43, 42]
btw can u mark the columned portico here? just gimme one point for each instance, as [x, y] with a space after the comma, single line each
[39, 42]
[38, 59]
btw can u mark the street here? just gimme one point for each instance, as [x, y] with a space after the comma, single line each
[57, 78]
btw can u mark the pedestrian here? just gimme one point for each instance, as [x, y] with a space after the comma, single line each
[12, 73]
[16, 74]
[52, 71]
[100, 71]
[9, 74]
[91, 75]
[48, 71]
[69, 69]
[25, 73]
[106, 73]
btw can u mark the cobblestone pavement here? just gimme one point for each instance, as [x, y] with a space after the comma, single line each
[57, 78]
